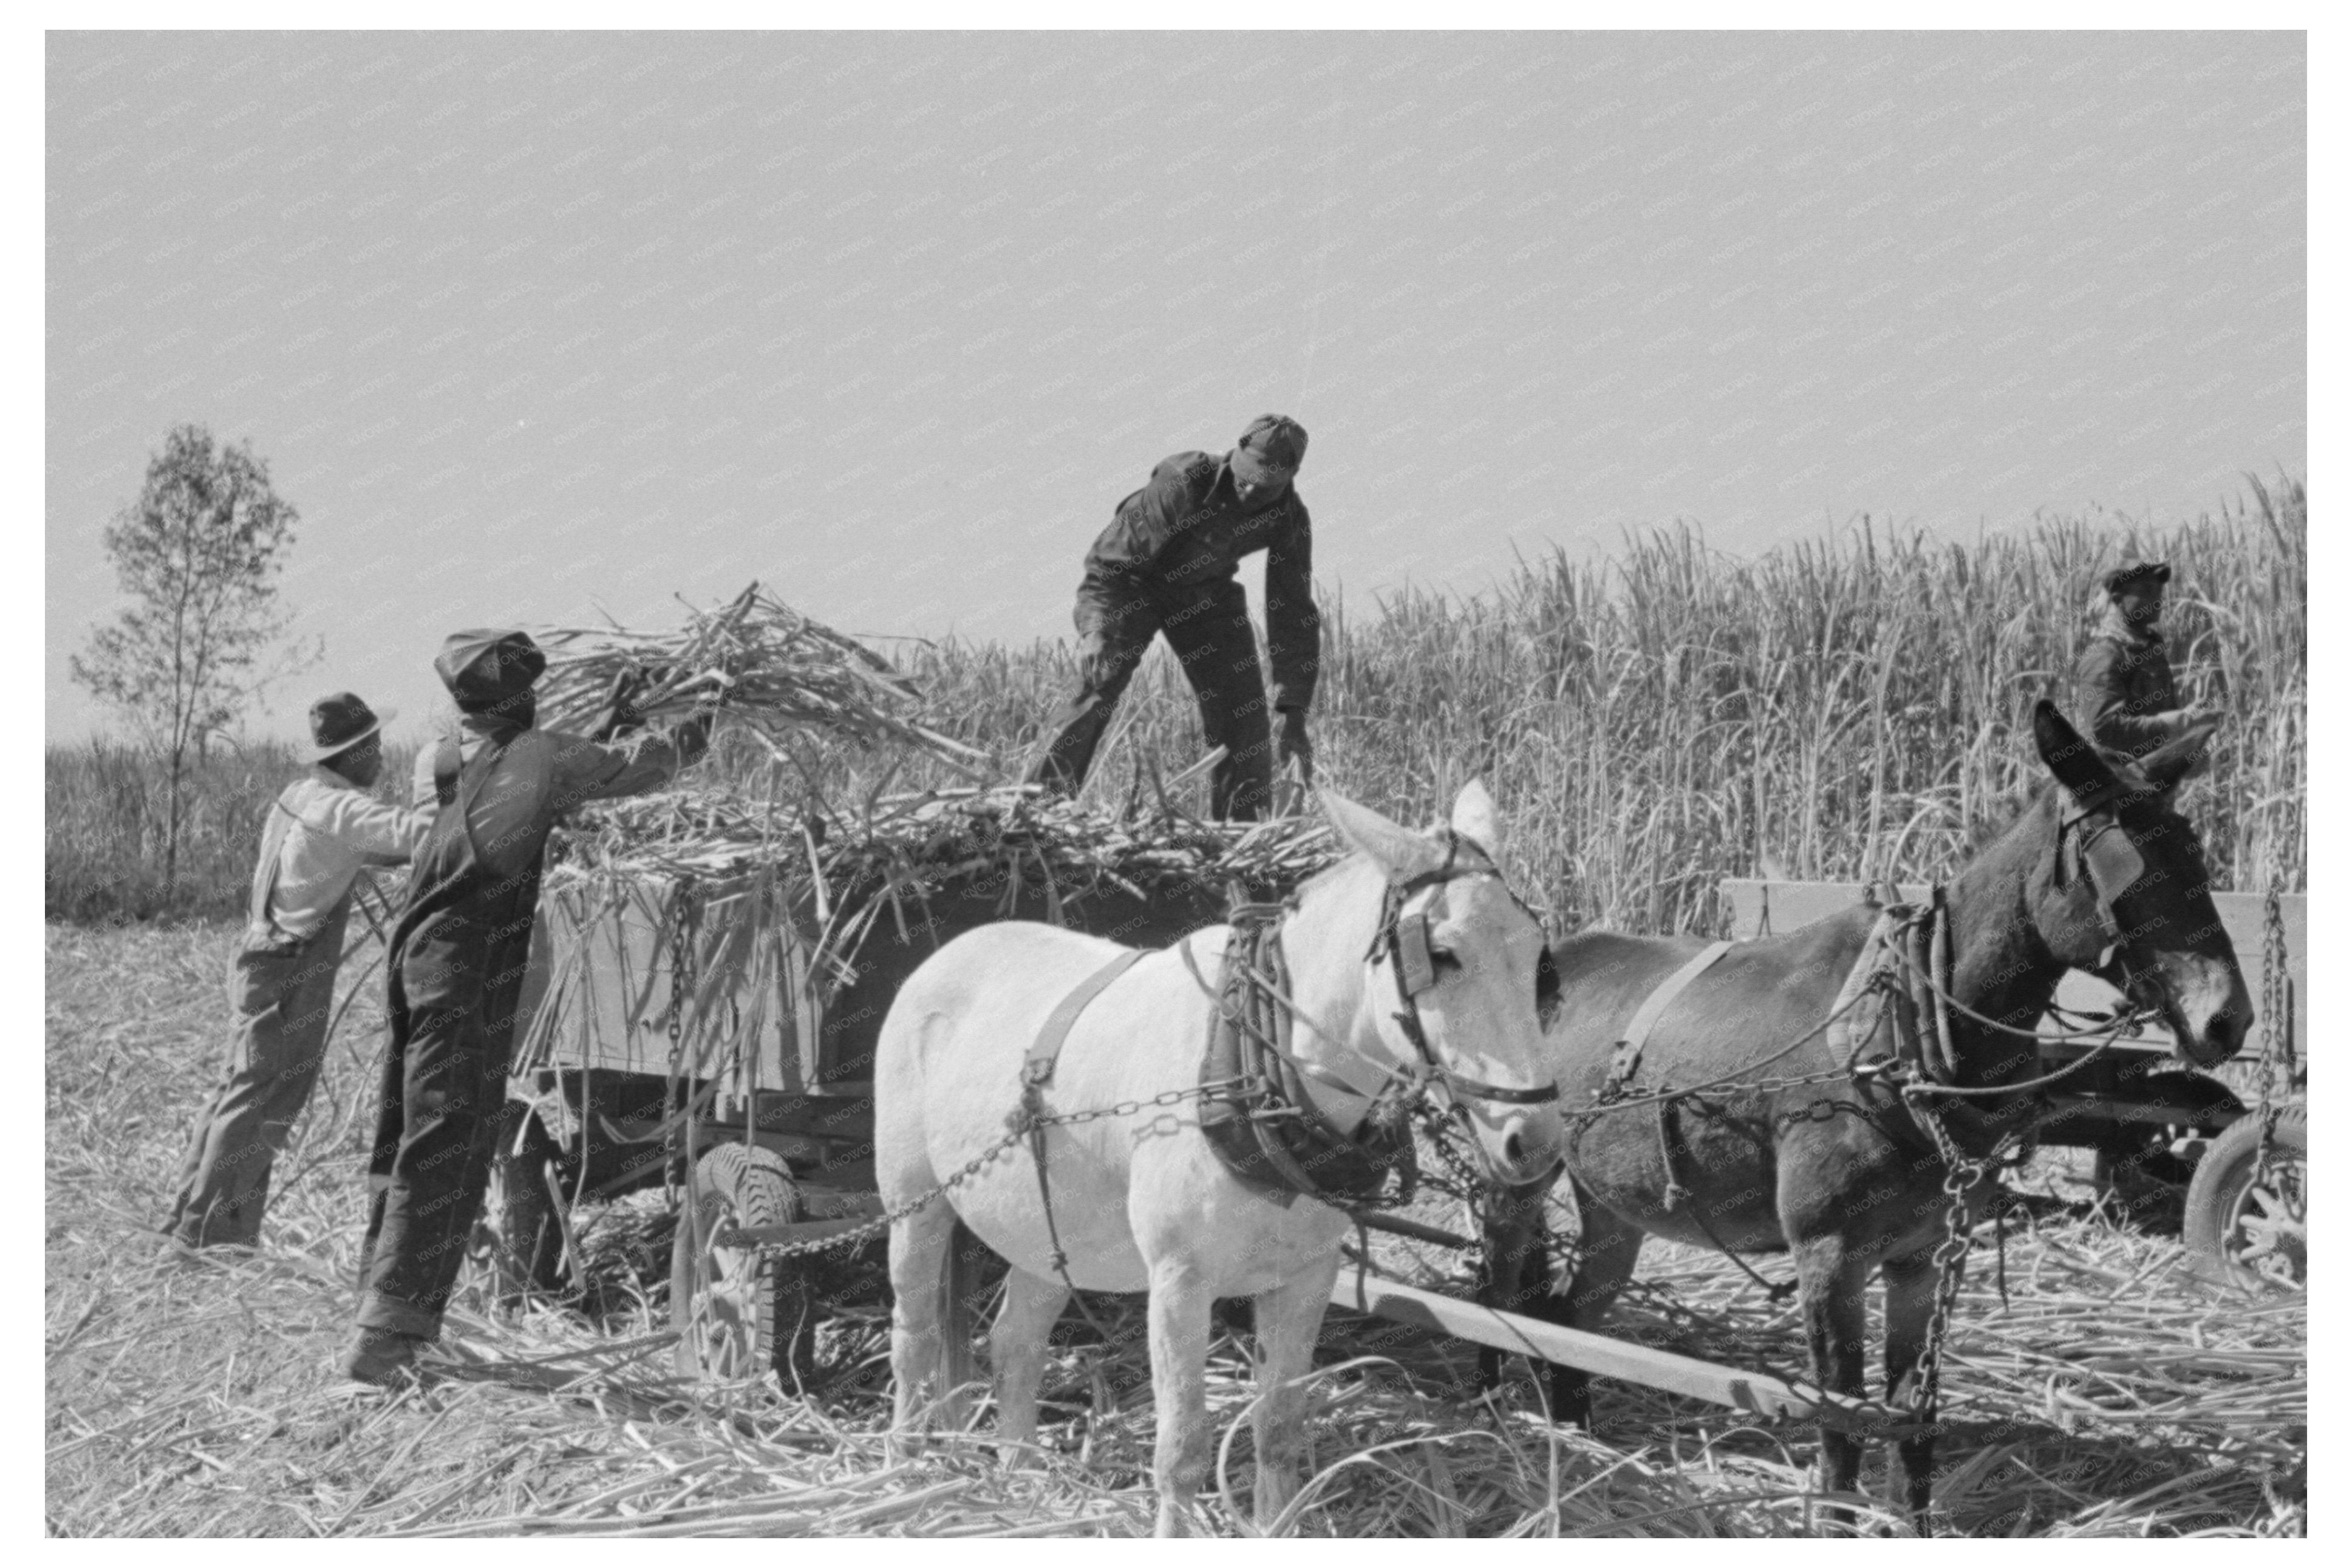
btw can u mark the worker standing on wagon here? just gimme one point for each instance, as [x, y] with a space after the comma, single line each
[2124, 688]
[455, 972]
[320, 831]
[1165, 566]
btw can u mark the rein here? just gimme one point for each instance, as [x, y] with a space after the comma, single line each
[1913, 968]
[2112, 864]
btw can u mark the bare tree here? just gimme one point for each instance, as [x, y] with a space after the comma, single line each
[199, 551]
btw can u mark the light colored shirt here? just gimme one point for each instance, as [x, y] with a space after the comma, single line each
[326, 828]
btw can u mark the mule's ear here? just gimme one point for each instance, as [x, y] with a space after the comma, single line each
[2181, 757]
[2075, 761]
[1395, 847]
[1475, 818]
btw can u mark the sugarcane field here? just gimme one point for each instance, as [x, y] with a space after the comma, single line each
[1716, 949]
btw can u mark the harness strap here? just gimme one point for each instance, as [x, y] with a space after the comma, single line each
[1943, 1057]
[1037, 1072]
[1256, 1114]
[1502, 1094]
[1852, 1025]
[1901, 985]
[1315, 1070]
[1900, 959]
[1625, 1061]
[1037, 1067]
[1669, 1141]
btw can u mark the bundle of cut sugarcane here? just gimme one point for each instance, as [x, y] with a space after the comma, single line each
[938, 835]
[756, 662]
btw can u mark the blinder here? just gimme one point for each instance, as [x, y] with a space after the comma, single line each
[1414, 961]
[2102, 849]
[2111, 859]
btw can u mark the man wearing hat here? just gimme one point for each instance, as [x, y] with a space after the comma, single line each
[455, 974]
[320, 831]
[1165, 567]
[2123, 682]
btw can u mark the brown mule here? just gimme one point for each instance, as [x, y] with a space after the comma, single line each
[2099, 874]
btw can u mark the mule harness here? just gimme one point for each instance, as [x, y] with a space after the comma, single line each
[1260, 1120]
[1907, 965]
[1256, 1110]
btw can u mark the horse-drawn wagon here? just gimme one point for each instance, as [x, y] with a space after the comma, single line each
[713, 1022]
[708, 999]
[711, 1029]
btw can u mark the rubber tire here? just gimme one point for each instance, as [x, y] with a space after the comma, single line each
[2218, 1191]
[526, 1249]
[733, 1324]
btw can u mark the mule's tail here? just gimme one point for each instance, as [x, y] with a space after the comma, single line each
[961, 1284]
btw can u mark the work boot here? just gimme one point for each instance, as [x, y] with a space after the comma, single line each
[384, 1358]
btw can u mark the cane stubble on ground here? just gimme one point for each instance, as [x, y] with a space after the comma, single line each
[2110, 1397]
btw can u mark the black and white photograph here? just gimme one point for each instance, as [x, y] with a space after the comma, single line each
[1272, 775]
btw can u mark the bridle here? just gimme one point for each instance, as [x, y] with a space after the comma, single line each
[1402, 941]
[2106, 856]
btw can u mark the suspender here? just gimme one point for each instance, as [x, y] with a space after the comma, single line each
[446, 763]
[259, 926]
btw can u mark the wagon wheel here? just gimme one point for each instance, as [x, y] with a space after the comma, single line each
[738, 1316]
[2245, 1226]
[526, 1234]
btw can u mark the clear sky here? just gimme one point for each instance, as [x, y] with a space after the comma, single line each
[529, 325]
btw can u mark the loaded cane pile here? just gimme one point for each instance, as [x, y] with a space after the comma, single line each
[806, 696]
[928, 837]
[791, 828]
[767, 672]
[762, 667]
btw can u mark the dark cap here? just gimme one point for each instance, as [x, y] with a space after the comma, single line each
[2131, 572]
[484, 668]
[1270, 450]
[339, 721]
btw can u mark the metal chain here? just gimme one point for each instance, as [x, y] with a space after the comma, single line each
[2278, 1047]
[767, 1250]
[671, 1163]
[1462, 1178]
[1960, 1174]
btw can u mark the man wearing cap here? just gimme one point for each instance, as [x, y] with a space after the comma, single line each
[319, 832]
[456, 971]
[1165, 566]
[2123, 682]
